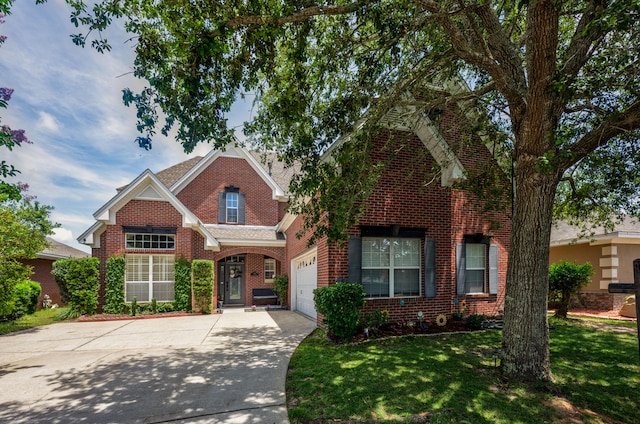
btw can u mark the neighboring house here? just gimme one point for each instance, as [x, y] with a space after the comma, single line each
[417, 248]
[43, 264]
[610, 252]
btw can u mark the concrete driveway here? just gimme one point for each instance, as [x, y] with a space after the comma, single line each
[199, 369]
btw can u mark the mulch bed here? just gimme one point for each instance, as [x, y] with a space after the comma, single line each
[406, 329]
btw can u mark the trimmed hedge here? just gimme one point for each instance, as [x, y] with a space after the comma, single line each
[202, 284]
[339, 304]
[114, 286]
[182, 290]
[79, 281]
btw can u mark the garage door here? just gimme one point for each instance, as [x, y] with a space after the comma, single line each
[305, 271]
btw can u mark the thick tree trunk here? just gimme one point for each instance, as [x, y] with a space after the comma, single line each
[525, 340]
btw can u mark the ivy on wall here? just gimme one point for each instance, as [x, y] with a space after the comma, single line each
[202, 284]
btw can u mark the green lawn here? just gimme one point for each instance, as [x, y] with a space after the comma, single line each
[41, 317]
[453, 379]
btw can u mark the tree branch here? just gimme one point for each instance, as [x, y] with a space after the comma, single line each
[298, 16]
[626, 121]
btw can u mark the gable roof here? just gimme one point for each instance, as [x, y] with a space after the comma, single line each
[56, 250]
[146, 186]
[278, 193]
[169, 176]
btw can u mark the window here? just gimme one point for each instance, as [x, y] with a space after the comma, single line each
[150, 241]
[269, 268]
[391, 267]
[232, 207]
[477, 265]
[149, 276]
[475, 268]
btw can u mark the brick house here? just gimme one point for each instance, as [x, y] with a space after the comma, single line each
[417, 248]
[43, 264]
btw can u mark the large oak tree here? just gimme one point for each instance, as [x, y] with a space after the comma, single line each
[556, 84]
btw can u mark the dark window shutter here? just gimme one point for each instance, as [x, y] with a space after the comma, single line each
[222, 207]
[430, 267]
[242, 201]
[461, 267]
[354, 248]
[493, 269]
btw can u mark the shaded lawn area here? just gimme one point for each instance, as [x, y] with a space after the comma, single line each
[41, 317]
[453, 379]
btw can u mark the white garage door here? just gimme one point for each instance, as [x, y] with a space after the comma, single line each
[305, 272]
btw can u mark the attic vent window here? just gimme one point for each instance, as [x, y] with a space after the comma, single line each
[150, 241]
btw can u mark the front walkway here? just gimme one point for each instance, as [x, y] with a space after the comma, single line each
[227, 368]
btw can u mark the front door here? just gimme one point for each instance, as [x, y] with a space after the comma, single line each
[232, 284]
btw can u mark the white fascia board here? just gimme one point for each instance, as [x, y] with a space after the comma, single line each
[235, 152]
[91, 237]
[277, 191]
[107, 213]
[210, 242]
[50, 256]
[195, 171]
[286, 222]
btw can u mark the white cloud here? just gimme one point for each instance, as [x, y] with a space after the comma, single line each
[63, 235]
[48, 122]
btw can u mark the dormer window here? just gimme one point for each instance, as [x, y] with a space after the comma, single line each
[231, 206]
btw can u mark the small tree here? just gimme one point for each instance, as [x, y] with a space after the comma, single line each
[565, 279]
[339, 304]
[202, 283]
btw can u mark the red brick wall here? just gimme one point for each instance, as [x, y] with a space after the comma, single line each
[201, 195]
[42, 274]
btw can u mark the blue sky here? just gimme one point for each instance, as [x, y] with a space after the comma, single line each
[68, 100]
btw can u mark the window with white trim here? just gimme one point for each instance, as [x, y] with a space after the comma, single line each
[149, 276]
[476, 261]
[150, 241]
[269, 268]
[391, 267]
[232, 207]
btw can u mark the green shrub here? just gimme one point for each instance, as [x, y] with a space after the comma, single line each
[339, 304]
[25, 298]
[202, 277]
[475, 321]
[165, 307]
[79, 278]
[11, 273]
[134, 306]
[114, 285]
[376, 319]
[281, 287]
[154, 305]
[182, 289]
